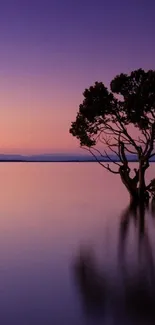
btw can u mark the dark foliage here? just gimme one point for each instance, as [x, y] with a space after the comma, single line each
[105, 119]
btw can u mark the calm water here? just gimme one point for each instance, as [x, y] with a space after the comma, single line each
[51, 213]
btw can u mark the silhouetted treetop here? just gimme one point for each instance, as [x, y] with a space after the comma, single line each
[138, 92]
[100, 106]
[104, 118]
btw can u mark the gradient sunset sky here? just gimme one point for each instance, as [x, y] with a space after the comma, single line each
[50, 51]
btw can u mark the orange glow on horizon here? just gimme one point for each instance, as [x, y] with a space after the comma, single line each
[35, 120]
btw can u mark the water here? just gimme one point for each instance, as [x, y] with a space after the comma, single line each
[50, 213]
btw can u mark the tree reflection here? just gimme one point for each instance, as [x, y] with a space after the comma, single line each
[135, 297]
[91, 282]
[139, 284]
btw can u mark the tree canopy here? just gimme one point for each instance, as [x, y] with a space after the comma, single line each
[107, 117]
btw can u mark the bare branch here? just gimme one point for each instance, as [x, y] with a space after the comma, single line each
[98, 151]
[106, 156]
[122, 152]
[113, 161]
[116, 133]
[114, 151]
[151, 143]
[124, 131]
[141, 140]
[146, 134]
[106, 167]
[130, 151]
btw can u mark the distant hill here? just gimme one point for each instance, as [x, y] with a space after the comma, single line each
[60, 158]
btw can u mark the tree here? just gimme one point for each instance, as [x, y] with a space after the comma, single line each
[120, 121]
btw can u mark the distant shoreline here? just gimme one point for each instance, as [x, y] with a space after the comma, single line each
[63, 161]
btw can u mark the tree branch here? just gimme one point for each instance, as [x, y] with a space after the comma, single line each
[130, 151]
[106, 167]
[151, 143]
[114, 162]
[124, 131]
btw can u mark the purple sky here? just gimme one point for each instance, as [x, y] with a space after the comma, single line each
[50, 51]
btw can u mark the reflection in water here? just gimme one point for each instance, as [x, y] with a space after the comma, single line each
[153, 207]
[46, 211]
[139, 284]
[132, 298]
[91, 282]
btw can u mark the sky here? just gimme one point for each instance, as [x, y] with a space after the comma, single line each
[50, 51]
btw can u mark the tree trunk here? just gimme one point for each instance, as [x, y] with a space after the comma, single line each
[137, 193]
[142, 191]
[142, 186]
[130, 184]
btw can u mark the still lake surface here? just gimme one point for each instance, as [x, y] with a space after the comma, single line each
[49, 214]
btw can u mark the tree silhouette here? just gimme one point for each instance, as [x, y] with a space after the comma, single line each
[108, 119]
